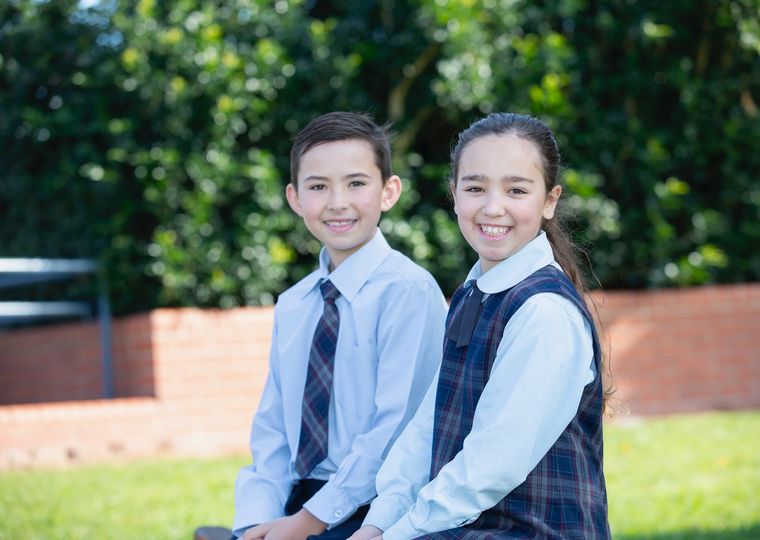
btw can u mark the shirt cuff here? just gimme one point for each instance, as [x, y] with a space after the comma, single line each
[253, 511]
[330, 505]
[402, 530]
[381, 514]
[237, 533]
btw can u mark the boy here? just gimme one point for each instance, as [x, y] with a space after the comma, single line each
[354, 347]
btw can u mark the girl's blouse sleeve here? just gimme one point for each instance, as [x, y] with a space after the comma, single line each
[543, 362]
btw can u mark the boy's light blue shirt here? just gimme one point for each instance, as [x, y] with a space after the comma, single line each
[392, 318]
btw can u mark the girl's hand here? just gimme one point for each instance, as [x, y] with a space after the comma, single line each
[368, 532]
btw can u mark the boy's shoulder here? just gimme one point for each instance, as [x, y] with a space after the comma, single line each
[299, 289]
[394, 268]
[398, 266]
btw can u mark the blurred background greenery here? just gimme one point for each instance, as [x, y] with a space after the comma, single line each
[154, 135]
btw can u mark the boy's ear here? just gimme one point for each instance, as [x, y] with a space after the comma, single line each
[292, 195]
[391, 193]
[550, 204]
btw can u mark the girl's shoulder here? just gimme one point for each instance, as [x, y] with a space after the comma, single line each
[547, 282]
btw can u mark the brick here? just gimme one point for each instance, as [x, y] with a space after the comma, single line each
[189, 380]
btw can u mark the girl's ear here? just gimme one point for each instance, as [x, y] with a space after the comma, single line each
[453, 190]
[550, 204]
[391, 193]
[291, 193]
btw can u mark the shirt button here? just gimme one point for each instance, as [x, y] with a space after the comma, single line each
[338, 513]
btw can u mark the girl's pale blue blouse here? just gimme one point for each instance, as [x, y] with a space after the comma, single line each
[544, 360]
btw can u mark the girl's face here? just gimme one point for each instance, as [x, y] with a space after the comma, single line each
[500, 197]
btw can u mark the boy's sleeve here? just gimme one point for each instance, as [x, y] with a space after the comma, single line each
[406, 468]
[263, 487]
[410, 330]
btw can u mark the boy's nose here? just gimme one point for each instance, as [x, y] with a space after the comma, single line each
[338, 199]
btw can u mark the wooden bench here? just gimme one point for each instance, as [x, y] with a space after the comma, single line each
[212, 533]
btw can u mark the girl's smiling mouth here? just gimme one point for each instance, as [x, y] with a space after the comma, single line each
[494, 231]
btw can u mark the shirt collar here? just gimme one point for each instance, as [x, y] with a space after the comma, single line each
[533, 256]
[354, 272]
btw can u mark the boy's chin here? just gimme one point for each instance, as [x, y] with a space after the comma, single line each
[346, 247]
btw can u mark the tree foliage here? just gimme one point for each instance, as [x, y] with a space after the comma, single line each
[155, 135]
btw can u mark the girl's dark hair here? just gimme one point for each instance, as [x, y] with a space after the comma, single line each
[565, 251]
[535, 131]
[339, 126]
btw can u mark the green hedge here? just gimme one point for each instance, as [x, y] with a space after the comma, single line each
[155, 135]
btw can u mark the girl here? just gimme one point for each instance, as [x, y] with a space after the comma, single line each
[508, 442]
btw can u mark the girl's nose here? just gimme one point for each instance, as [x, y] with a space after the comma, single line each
[494, 207]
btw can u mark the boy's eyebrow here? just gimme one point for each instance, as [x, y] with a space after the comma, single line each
[318, 178]
[315, 177]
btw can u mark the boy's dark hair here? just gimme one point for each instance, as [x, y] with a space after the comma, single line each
[340, 126]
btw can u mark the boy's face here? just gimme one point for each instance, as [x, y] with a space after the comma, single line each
[341, 195]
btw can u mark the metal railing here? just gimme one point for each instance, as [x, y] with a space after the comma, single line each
[17, 272]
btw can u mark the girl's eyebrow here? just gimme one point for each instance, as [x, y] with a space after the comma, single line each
[515, 179]
[473, 178]
[508, 178]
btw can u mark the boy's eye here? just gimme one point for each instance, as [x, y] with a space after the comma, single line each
[316, 187]
[517, 191]
[356, 183]
[473, 189]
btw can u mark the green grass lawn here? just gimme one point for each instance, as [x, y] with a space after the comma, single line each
[687, 477]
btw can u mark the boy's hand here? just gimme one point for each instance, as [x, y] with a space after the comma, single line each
[295, 527]
[368, 532]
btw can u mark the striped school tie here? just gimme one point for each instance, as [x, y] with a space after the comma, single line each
[312, 443]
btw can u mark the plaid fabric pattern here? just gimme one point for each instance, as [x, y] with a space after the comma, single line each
[312, 442]
[565, 495]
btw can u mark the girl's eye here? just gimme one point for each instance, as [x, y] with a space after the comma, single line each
[473, 189]
[517, 191]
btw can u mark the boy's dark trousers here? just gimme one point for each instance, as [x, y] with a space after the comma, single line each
[305, 490]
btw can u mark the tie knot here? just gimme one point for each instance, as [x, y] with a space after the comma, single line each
[473, 286]
[329, 292]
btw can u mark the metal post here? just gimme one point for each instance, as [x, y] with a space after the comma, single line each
[106, 351]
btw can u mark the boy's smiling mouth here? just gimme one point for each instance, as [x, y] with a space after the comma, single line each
[340, 225]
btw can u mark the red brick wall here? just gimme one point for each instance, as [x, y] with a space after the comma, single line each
[188, 380]
[63, 362]
[59, 363]
[187, 383]
[684, 350]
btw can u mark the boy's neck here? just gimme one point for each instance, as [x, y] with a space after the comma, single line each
[332, 265]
